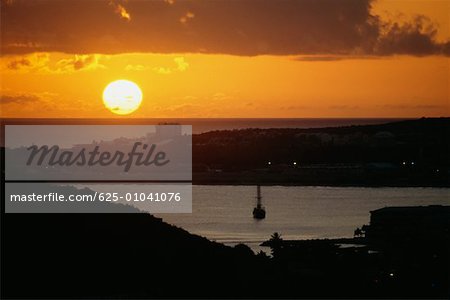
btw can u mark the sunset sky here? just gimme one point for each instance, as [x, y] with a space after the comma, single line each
[221, 58]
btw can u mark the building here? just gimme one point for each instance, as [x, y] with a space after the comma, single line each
[168, 131]
[409, 224]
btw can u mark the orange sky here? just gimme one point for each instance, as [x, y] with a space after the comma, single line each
[351, 83]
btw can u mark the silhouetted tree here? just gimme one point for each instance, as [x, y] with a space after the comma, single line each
[358, 232]
[262, 254]
[276, 243]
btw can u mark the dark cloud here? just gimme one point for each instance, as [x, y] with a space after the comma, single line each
[332, 57]
[417, 37]
[238, 27]
[4, 3]
[320, 58]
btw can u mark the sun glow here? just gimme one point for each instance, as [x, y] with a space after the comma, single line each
[122, 97]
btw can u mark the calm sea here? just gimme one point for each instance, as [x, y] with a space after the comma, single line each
[224, 213]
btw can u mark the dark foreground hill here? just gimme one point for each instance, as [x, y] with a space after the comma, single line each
[115, 255]
[131, 256]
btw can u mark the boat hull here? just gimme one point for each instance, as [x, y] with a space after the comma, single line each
[259, 213]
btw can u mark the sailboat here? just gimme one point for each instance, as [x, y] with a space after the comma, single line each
[259, 212]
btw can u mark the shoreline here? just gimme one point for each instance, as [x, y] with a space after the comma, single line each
[300, 184]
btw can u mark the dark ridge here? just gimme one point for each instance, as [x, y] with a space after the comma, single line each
[404, 153]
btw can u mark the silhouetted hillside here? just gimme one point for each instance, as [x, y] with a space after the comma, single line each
[115, 255]
[414, 152]
[138, 256]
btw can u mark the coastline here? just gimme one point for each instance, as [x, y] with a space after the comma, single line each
[318, 184]
[243, 178]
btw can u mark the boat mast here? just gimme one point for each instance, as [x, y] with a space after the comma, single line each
[258, 196]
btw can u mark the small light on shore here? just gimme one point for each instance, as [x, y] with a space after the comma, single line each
[269, 163]
[295, 163]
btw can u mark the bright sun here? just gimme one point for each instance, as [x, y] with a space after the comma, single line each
[122, 97]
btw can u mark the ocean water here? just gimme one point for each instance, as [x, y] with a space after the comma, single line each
[224, 213]
[200, 125]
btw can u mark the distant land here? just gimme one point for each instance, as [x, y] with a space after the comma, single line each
[401, 153]
[336, 152]
[202, 125]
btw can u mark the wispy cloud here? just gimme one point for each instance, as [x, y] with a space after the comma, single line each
[19, 63]
[26, 98]
[18, 98]
[135, 68]
[20, 103]
[42, 62]
[181, 66]
[411, 106]
[295, 107]
[343, 107]
[162, 70]
[79, 62]
[27, 63]
[120, 10]
[187, 17]
[221, 97]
